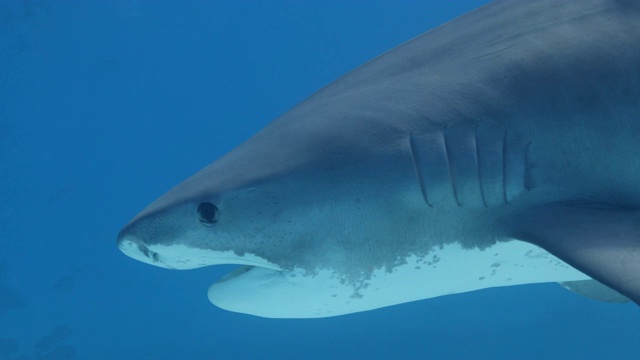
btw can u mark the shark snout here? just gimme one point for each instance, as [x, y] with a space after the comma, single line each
[135, 248]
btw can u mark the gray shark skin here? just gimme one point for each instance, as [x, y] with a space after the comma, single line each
[501, 148]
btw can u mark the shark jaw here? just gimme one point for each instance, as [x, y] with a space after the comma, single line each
[182, 257]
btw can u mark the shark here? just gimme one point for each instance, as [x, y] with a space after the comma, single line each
[499, 149]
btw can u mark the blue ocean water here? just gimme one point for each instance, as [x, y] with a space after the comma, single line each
[105, 105]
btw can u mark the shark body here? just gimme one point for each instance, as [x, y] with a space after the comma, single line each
[501, 148]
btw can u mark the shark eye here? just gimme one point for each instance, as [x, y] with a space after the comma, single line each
[208, 213]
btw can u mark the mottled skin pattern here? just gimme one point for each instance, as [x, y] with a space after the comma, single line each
[472, 133]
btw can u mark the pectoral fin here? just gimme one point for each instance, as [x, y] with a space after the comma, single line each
[595, 290]
[600, 240]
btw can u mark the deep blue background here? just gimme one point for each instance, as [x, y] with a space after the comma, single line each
[105, 105]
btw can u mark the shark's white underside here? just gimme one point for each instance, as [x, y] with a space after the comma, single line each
[262, 289]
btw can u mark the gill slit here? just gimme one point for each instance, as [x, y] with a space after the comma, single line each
[414, 160]
[484, 200]
[528, 180]
[504, 167]
[446, 153]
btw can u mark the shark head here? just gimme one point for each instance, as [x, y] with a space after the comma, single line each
[307, 231]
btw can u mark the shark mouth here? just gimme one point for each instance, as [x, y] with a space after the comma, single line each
[182, 257]
[235, 273]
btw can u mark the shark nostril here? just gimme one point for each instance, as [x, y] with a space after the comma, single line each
[136, 248]
[144, 250]
[148, 253]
